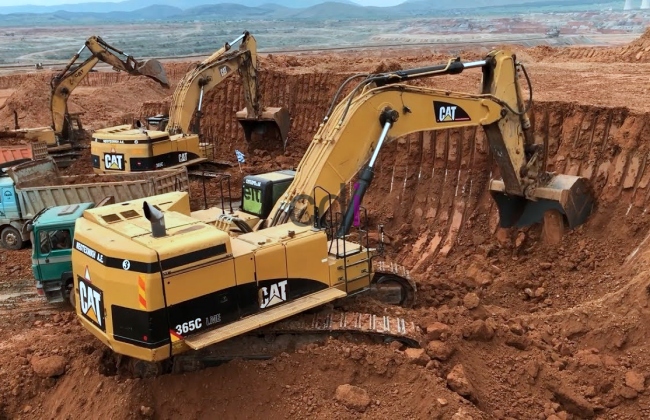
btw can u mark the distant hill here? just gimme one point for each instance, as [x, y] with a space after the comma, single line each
[133, 5]
[216, 10]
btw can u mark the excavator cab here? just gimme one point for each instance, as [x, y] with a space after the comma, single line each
[273, 124]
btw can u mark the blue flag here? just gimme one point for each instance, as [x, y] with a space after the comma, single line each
[240, 156]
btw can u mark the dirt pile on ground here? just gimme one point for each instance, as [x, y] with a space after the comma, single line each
[637, 51]
[31, 101]
[103, 106]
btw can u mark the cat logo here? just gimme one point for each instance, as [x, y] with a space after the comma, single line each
[274, 294]
[446, 112]
[114, 161]
[91, 301]
[223, 71]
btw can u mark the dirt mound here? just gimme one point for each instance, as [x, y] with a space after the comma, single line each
[104, 106]
[32, 102]
[637, 51]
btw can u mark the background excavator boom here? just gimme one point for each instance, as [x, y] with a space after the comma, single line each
[70, 77]
[188, 97]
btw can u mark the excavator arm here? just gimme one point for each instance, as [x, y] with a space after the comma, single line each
[65, 82]
[188, 97]
[380, 109]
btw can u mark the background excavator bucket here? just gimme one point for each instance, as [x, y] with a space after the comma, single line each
[273, 124]
[154, 70]
[570, 195]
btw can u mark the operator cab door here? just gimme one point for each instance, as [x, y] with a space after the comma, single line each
[52, 250]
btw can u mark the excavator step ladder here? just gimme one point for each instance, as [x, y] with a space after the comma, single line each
[270, 316]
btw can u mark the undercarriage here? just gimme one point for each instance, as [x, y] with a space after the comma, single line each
[311, 327]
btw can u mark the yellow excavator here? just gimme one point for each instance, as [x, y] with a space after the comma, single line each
[61, 136]
[166, 289]
[174, 140]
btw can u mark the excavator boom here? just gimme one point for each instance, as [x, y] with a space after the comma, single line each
[70, 77]
[255, 118]
[380, 109]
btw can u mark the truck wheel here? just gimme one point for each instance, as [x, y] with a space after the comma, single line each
[11, 238]
[70, 291]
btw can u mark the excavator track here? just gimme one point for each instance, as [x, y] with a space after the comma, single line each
[311, 327]
[282, 337]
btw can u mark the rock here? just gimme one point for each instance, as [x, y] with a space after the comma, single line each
[518, 342]
[146, 411]
[627, 393]
[461, 414]
[540, 292]
[478, 275]
[521, 238]
[438, 331]
[49, 367]
[503, 236]
[635, 380]
[471, 301]
[572, 403]
[457, 381]
[443, 402]
[439, 350]
[27, 409]
[552, 227]
[417, 356]
[57, 318]
[352, 397]
[517, 329]
[532, 369]
[545, 266]
[588, 358]
[479, 331]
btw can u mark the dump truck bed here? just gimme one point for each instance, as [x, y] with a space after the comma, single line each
[32, 151]
[38, 185]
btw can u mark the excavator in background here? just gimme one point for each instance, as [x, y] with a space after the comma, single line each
[167, 290]
[63, 135]
[174, 140]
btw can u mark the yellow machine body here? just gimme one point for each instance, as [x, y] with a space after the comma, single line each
[152, 297]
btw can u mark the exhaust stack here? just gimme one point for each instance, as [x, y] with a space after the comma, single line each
[157, 219]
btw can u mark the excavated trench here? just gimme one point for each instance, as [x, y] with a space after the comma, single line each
[430, 190]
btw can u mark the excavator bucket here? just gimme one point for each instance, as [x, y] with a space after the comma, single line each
[154, 70]
[274, 123]
[570, 195]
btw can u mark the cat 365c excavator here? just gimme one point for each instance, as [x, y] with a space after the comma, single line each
[61, 137]
[167, 289]
[174, 140]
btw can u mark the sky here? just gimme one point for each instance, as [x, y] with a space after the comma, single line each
[55, 2]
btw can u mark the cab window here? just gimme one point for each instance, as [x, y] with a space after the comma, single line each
[53, 240]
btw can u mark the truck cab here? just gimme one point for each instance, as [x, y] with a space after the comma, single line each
[11, 234]
[52, 233]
